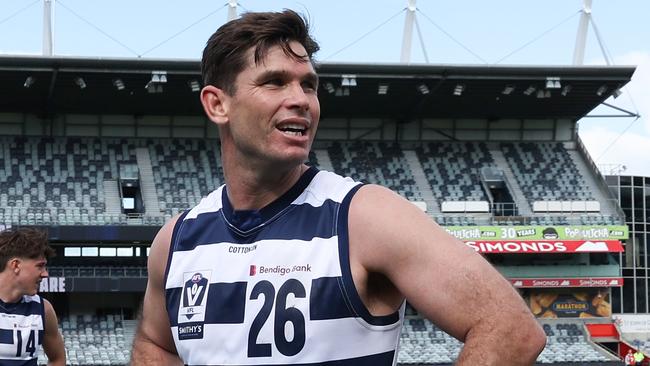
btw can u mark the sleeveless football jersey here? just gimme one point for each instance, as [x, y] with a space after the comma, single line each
[21, 331]
[274, 286]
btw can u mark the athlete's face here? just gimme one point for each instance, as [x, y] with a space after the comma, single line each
[274, 112]
[30, 272]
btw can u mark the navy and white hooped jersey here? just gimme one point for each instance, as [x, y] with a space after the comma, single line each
[273, 287]
[21, 331]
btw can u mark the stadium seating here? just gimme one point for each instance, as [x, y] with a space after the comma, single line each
[95, 340]
[453, 169]
[423, 343]
[375, 162]
[546, 172]
[567, 342]
[64, 181]
[59, 180]
[184, 170]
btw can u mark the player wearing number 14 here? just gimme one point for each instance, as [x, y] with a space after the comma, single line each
[27, 321]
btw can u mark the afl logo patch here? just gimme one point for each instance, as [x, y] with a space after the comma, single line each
[194, 296]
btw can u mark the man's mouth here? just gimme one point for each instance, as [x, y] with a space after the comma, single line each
[293, 129]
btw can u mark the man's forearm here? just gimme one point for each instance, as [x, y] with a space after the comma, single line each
[59, 362]
[499, 345]
[145, 353]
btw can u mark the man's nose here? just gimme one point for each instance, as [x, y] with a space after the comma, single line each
[297, 96]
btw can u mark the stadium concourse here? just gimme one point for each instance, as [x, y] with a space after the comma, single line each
[100, 152]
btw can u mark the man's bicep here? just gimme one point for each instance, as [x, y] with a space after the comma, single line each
[446, 281]
[52, 340]
[154, 322]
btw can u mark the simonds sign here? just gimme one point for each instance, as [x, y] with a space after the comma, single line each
[570, 246]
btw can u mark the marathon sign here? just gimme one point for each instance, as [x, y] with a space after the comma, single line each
[539, 233]
[555, 246]
[566, 282]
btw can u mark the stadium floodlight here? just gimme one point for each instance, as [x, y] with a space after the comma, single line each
[508, 89]
[329, 87]
[119, 84]
[342, 92]
[29, 81]
[458, 90]
[601, 90]
[158, 76]
[195, 86]
[80, 82]
[348, 80]
[617, 93]
[566, 90]
[540, 94]
[553, 82]
[530, 90]
[382, 89]
[424, 89]
[154, 88]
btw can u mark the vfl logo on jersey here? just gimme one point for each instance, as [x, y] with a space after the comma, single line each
[194, 296]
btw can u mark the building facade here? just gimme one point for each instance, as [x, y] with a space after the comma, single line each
[633, 194]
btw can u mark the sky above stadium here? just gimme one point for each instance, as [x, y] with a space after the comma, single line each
[501, 32]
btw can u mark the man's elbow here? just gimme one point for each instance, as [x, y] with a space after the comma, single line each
[532, 340]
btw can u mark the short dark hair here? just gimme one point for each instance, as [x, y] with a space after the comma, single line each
[29, 243]
[224, 56]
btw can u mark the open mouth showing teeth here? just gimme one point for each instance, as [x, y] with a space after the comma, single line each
[293, 130]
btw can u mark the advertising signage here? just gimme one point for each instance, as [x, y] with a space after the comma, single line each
[566, 282]
[527, 233]
[551, 246]
[574, 303]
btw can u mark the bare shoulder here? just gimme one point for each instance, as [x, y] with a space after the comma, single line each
[390, 227]
[160, 249]
[50, 314]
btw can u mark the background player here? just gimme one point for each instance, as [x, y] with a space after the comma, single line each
[26, 319]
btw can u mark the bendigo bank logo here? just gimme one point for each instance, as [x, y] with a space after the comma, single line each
[253, 270]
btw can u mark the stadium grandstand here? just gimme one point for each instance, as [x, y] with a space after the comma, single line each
[100, 152]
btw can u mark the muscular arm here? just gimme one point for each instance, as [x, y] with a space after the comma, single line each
[448, 282]
[52, 339]
[153, 343]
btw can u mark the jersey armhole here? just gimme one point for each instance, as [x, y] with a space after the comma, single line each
[172, 244]
[350, 289]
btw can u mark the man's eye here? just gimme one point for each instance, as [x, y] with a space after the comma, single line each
[276, 82]
[308, 85]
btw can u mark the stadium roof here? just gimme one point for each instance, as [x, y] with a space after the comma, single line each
[49, 86]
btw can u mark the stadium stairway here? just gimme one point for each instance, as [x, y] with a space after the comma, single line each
[433, 208]
[147, 184]
[324, 162]
[112, 198]
[522, 203]
[606, 207]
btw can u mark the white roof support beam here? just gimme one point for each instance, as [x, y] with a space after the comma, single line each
[408, 32]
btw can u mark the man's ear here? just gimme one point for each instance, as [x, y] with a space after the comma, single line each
[13, 264]
[215, 104]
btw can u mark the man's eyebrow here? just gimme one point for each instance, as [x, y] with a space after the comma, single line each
[283, 74]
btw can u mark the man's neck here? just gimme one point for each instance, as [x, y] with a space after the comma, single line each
[8, 294]
[253, 189]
